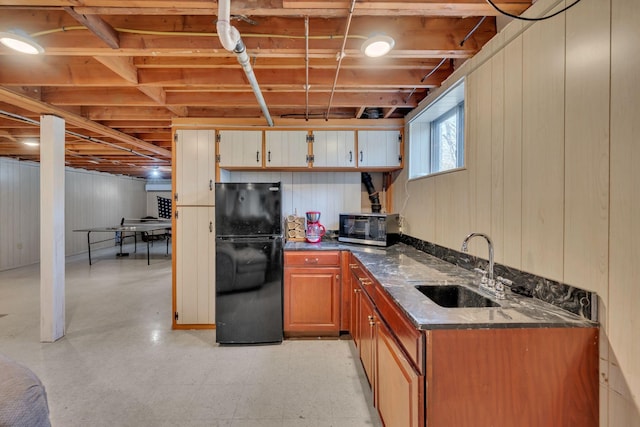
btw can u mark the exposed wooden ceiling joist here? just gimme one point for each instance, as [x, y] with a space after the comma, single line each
[43, 108]
[122, 70]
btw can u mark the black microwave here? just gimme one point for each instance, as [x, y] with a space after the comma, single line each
[378, 229]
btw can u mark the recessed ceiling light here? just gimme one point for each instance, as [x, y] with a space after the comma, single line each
[20, 41]
[377, 45]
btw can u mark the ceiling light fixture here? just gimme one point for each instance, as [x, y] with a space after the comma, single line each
[377, 45]
[20, 41]
[31, 143]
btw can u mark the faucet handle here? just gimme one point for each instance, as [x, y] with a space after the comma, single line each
[499, 289]
[504, 281]
[483, 279]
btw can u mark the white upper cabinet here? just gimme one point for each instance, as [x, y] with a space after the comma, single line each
[334, 148]
[195, 167]
[240, 149]
[379, 148]
[285, 148]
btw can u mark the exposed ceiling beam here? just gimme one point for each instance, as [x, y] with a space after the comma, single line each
[97, 26]
[125, 68]
[416, 37]
[122, 66]
[39, 107]
[270, 79]
[295, 7]
[7, 135]
[159, 95]
[131, 97]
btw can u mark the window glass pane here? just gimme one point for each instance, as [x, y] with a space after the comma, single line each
[447, 143]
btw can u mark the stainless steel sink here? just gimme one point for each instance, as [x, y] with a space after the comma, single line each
[455, 296]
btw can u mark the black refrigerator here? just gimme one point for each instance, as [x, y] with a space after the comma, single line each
[249, 263]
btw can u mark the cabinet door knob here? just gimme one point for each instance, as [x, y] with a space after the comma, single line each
[355, 291]
[337, 277]
[350, 156]
[360, 155]
[257, 156]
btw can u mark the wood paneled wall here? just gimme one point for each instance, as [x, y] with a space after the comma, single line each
[624, 267]
[552, 113]
[91, 199]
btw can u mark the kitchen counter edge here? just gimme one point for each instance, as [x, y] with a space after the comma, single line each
[400, 268]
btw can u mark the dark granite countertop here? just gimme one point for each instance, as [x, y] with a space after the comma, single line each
[332, 245]
[400, 268]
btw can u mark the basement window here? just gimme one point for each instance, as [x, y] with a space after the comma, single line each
[436, 135]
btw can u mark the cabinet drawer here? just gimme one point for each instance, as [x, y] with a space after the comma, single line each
[363, 279]
[410, 338]
[312, 258]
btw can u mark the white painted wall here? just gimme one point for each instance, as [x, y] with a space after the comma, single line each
[19, 213]
[551, 170]
[91, 200]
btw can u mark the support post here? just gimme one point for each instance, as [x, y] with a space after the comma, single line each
[52, 233]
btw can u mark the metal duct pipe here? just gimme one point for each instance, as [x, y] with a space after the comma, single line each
[231, 41]
[373, 194]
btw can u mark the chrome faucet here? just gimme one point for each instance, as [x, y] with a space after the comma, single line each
[496, 288]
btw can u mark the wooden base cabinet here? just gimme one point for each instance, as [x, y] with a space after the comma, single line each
[512, 377]
[500, 377]
[399, 389]
[367, 323]
[312, 293]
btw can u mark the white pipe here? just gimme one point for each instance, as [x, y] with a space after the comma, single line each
[228, 34]
[245, 62]
[231, 41]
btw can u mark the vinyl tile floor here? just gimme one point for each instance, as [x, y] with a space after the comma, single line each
[121, 364]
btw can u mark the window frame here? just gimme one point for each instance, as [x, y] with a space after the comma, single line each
[423, 151]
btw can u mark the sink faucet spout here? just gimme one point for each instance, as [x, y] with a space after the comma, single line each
[464, 248]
